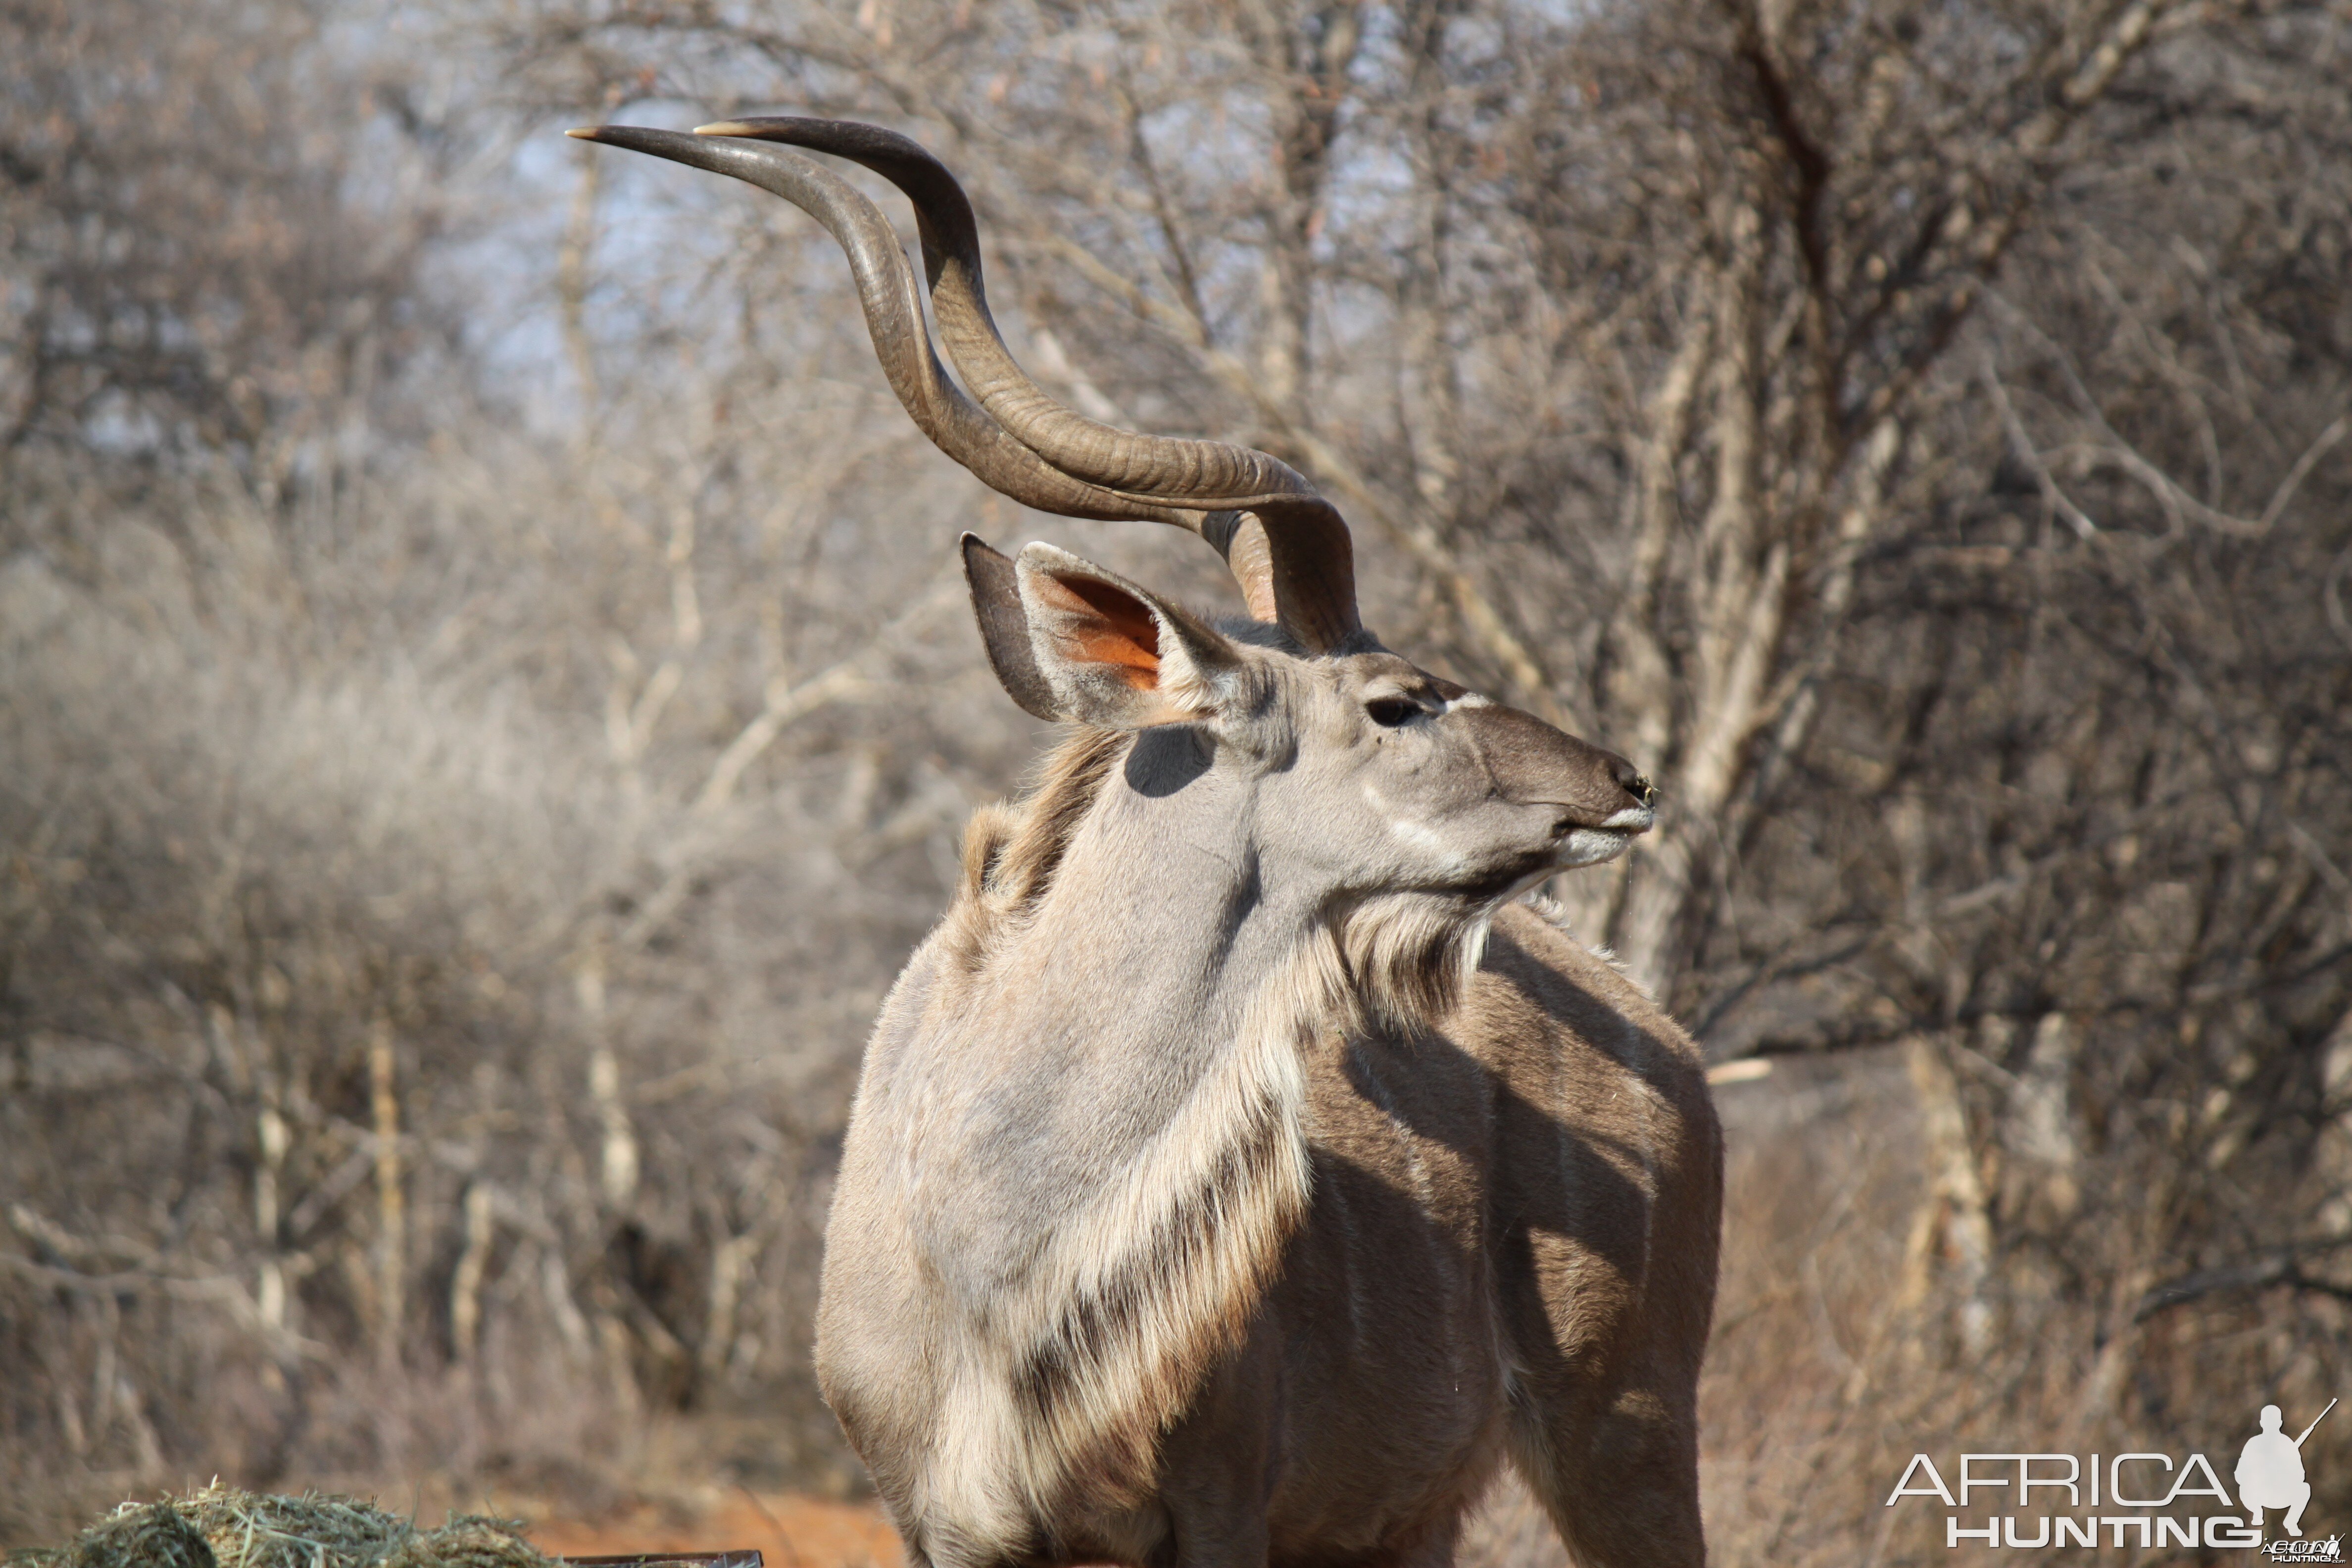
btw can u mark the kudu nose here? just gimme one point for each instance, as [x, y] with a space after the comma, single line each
[1534, 763]
[1635, 782]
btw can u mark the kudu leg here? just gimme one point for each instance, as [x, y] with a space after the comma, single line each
[1217, 1475]
[1619, 1476]
[1219, 1541]
[1226, 1543]
[1216, 1518]
[1433, 1547]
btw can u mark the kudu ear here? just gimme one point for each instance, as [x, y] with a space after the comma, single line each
[1112, 653]
[1004, 627]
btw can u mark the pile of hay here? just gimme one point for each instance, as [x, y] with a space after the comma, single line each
[221, 1526]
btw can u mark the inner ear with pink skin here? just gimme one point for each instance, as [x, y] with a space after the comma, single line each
[1071, 640]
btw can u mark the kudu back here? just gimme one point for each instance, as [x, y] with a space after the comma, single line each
[1240, 1174]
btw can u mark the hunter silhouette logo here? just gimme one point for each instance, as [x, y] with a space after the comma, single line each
[2142, 1497]
[2270, 1471]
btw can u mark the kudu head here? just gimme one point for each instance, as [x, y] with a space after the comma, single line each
[1367, 777]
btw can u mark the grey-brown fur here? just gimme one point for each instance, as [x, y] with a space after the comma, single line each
[1238, 1175]
[1483, 1222]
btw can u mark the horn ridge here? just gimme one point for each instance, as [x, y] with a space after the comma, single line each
[1215, 475]
[890, 297]
[1287, 547]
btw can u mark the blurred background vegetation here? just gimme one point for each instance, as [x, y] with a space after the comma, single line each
[485, 705]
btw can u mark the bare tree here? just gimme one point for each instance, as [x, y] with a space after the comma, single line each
[444, 899]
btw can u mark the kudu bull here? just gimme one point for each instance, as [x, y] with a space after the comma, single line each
[1239, 1173]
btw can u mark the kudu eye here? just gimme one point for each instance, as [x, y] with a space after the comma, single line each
[1388, 713]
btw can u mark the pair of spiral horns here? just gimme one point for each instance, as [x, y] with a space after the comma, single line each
[1287, 547]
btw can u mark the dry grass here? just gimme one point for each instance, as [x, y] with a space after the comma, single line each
[226, 1527]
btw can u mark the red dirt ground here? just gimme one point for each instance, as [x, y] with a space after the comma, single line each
[789, 1533]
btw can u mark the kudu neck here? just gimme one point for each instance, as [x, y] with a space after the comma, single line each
[1181, 918]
